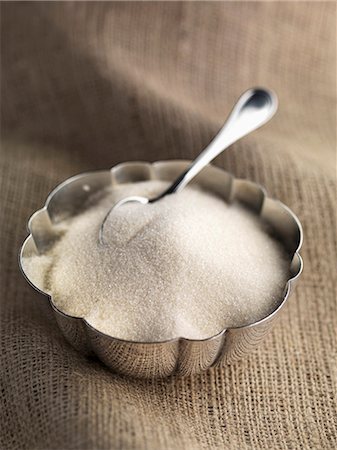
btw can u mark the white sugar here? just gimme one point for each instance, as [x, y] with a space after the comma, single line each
[188, 265]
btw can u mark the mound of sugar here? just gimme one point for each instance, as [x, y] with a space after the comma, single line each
[188, 265]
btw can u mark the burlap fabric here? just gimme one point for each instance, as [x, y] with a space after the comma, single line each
[88, 85]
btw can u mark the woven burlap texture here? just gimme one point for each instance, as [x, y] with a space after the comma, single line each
[88, 85]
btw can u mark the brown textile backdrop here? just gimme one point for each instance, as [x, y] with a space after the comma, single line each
[88, 85]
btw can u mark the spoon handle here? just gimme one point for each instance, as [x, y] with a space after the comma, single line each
[253, 109]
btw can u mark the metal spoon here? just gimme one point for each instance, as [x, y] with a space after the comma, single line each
[254, 108]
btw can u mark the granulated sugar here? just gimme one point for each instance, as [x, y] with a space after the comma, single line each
[188, 265]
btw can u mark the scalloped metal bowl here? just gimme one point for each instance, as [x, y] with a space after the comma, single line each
[177, 356]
